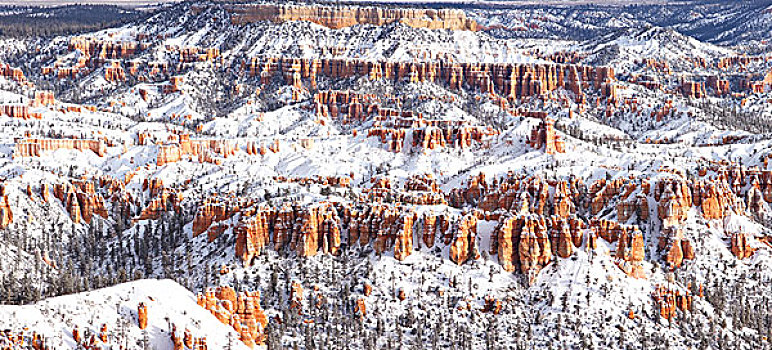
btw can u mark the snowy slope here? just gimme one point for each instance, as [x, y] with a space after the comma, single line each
[167, 302]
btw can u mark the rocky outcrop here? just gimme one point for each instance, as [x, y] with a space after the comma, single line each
[175, 85]
[34, 147]
[534, 249]
[6, 215]
[296, 296]
[433, 224]
[693, 89]
[717, 199]
[463, 246]
[426, 134]
[211, 211]
[674, 200]
[476, 188]
[15, 74]
[563, 205]
[252, 236]
[192, 54]
[510, 80]
[81, 201]
[341, 17]
[688, 249]
[633, 205]
[105, 49]
[670, 300]
[241, 311]
[565, 234]
[314, 229]
[630, 252]
[403, 238]
[114, 72]
[360, 309]
[507, 239]
[306, 231]
[20, 111]
[204, 151]
[142, 315]
[492, 305]
[528, 242]
[317, 228]
[543, 136]
[740, 246]
[186, 340]
[166, 200]
[719, 86]
[423, 182]
[538, 218]
[675, 246]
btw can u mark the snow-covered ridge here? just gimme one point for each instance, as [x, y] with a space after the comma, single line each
[116, 309]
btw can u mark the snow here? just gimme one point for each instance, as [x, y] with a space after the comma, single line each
[167, 303]
[597, 294]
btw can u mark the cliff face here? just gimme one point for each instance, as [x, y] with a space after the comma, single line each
[241, 311]
[739, 245]
[537, 218]
[510, 80]
[393, 126]
[463, 246]
[34, 147]
[693, 89]
[165, 200]
[10, 72]
[336, 18]
[204, 151]
[6, 215]
[670, 300]
[105, 49]
[308, 230]
[17, 111]
[543, 136]
[81, 201]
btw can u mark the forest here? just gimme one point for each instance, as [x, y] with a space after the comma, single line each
[38, 21]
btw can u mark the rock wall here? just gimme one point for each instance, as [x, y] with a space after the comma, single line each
[740, 246]
[81, 201]
[309, 230]
[693, 89]
[165, 200]
[670, 300]
[241, 311]
[43, 98]
[204, 151]
[105, 49]
[510, 80]
[34, 147]
[6, 215]
[341, 17]
[543, 136]
[463, 246]
[18, 111]
[24, 339]
[115, 72]
[12, 73]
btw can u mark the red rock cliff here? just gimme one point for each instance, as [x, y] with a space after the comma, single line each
[337, 17]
